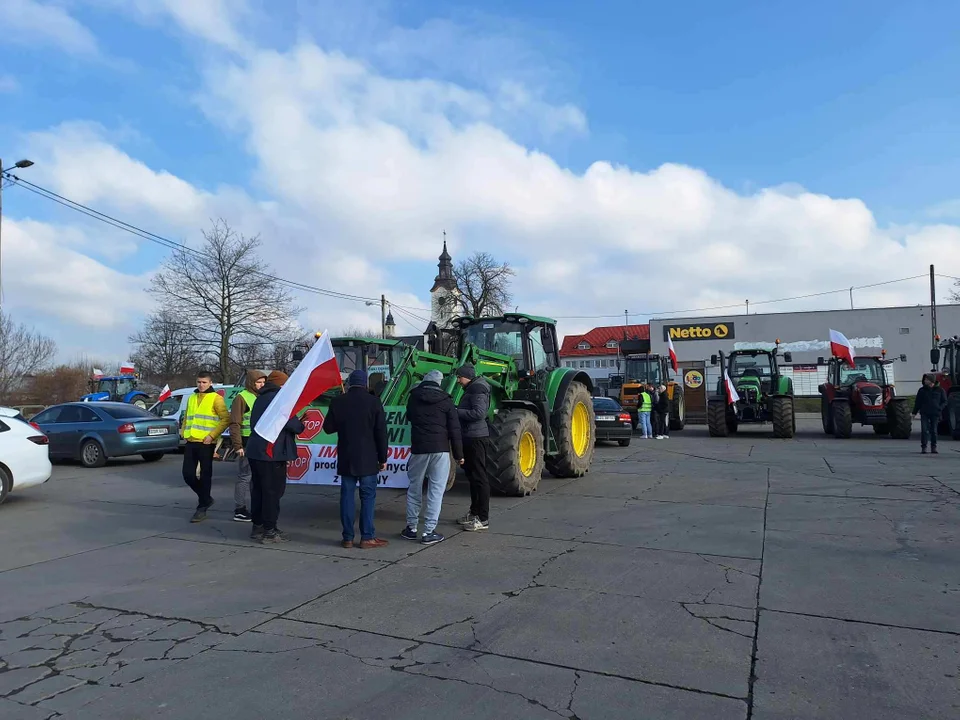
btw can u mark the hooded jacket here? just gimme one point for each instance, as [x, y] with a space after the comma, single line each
[434, 424]
[473, 408]
[930, 401]
[239, 407]
[285, 447]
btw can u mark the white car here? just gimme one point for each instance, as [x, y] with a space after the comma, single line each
[24, 453]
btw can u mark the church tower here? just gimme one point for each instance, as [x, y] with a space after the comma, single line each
[443, 295]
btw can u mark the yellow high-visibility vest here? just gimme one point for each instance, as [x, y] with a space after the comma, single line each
[201, 419]
[249, 399]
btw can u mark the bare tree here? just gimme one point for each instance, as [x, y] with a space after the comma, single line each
[23, 353]
[955, 293]
[358, 332]
[222, 297]
[484, 285]
[164, 350]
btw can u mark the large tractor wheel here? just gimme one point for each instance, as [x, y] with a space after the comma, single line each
[678, 410]
[717, 419]
[515, 455]
[826, 415]
[901, 423]
[842, 419]
[574, 426]
[784, 422]
[953, 415]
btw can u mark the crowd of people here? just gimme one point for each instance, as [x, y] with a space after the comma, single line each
[653, 412]
[438, 428]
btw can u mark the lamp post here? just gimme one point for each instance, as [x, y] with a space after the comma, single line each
[383, 314]
[19, 165]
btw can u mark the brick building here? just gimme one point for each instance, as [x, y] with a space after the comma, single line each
[598, 352]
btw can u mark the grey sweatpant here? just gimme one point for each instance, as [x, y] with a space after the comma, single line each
[241, 491]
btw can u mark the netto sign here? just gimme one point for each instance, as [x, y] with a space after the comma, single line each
[699, 331]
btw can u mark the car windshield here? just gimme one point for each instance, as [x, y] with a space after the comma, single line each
[125, 412]
[497, 336]
[643, 369]
[602, 403]
[750, 365]
[866, 370]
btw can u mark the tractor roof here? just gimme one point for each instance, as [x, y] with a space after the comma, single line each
[386, 342]
[467, 320]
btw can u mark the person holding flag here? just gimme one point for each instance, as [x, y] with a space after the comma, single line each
[240, 412]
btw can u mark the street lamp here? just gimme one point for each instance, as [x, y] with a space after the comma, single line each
[18, 165]
[383, 314]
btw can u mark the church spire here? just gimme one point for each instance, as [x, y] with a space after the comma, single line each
[444, 278]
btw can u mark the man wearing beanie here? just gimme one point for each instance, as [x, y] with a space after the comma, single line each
[472, 410]
[434, 431]
[240, 431]
[269, 471]
[358, 420]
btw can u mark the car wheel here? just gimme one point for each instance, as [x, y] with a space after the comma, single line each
[6, 482]
[151, 456]
[624, 443]
[92, 455]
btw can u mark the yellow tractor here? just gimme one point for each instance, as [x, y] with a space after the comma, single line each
[644, 368]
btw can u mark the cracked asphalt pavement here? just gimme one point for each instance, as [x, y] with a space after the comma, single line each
[693, 578]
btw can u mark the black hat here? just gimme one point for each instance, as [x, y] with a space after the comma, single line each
[467, 371]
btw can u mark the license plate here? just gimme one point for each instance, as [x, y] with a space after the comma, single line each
[606, 417]
[157, 431]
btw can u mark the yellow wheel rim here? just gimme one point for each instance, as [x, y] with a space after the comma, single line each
[527, 453]
[580, 429]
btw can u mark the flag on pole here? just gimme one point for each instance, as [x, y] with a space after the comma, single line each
[164, 394]
[841, 347]
[316, 373]
[127, 368]
[673, 354]
[97, 373]
[732, 395]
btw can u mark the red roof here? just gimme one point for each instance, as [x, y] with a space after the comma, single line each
[599, 337]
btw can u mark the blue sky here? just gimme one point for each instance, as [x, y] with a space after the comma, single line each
[767, 115]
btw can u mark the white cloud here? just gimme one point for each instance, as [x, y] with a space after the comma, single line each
[211, 20]
[30, 22]
[8, 84]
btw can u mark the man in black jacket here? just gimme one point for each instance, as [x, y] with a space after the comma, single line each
[930, 402]
[472, 411]
[662, 408]
[269, 471]
[360, 424]
[434, 431]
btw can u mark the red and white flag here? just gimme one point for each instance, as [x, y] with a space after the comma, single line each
[841, 347]
[164, 394]
[127, 368]
[97, 373]
[673, 355]
[316, 373]
[732, 395]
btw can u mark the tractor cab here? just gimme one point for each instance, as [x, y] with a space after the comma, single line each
[120, 388]
[530, 341]
[755, 375]
[869, 370]
[378, 357]
[949, 352]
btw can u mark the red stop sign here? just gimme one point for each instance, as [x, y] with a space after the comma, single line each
[313, 419]
[296, 469]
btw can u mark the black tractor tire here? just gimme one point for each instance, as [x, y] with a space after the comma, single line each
[826, 415]
[624, 443]
[842, 419]
[507, 477]
[92, 454]
[6, 484]
[953, 415]
[567, 463]
[717, 419]
[781, 413]
[151, 456]
[678, 409]
[901, 422]
[881, 429]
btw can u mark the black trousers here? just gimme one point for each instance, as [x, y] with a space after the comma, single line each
[661, 422]
[268, 482]
[475, 465]
[196, 453]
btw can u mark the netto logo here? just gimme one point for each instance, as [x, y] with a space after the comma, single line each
[296, 469]
[313, 421]
[718, 331]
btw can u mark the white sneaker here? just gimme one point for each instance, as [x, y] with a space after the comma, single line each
[659, 437]
[476, 524]
[466, 519]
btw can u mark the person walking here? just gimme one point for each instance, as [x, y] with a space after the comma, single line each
[663, 414]
[434, 432]
[644, 407]
[929, 403]
[205, 419]
[269, 467]
[472, 411]
[239, 434]
[360, 424]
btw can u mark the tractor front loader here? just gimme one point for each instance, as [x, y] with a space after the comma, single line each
[763, 394]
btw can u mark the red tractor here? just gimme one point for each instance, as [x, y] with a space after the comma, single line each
[863, 394]
[949, 379]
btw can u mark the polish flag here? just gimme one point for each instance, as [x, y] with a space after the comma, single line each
[164, 394]
[841, 347]
[732, 395]
[127, 368]
[97, 373]
[673, 354]
[316, 373]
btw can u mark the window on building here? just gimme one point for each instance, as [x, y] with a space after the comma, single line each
[904, 331]
[612, 344]
[583, 345]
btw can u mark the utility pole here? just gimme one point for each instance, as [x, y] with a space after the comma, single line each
[851, 298]
[933, 311]
[383, 316]
[20, 164]
[748, 307]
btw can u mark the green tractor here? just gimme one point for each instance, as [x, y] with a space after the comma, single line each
[763, 394]
[541, 414]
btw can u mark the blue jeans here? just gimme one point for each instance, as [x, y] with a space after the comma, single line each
[645, 424]
[928, 429]
[348, 505]
[435, 467]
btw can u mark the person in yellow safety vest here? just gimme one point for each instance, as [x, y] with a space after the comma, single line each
[239, 432]
[644, 406]
[205, 419]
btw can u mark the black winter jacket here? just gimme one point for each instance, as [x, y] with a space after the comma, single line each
[663, 402]
[930, 400]
[358, 419]
[434, 425]
[473, 409]
[285, 448]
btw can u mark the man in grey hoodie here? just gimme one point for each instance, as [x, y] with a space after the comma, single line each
[472, 410]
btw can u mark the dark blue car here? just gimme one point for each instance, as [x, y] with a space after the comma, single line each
[91, 432]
